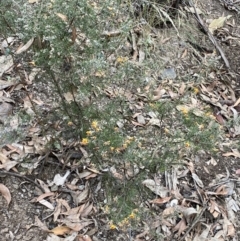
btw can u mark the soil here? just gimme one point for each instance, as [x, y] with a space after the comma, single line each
[16, 220]
[20, 215]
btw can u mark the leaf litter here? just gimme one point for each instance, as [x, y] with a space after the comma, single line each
[186, 205]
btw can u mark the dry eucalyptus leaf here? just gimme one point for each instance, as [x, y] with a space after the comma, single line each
[5, 192]
[197, 180]
[82, 196]
[180, 227]
[6, 62]
[188, 212]
[44, 186]
[4, 84]
[44, 195]
[46, 204]
[8, 165]
[6, 99]
[3, 158]
[218, 23]
[40, 224]
[232, 204]
[161, 200]
[25, 47]
[203, 236]
[158, 94]
[60, 230]
[62, 16]
[155, 188]
[77, 226]
[192, 10]
[234, 153]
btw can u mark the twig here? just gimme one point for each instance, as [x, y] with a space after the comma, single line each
[195, 221]
[199, 194]
[21, 176]
[213, 40]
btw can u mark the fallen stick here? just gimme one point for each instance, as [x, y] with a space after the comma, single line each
[211, 37]
[21, 176]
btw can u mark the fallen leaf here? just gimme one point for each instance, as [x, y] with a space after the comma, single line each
[40, 224]
[3, 158]
[228, 227]
[203, 236]
[192, 10]
[44, 196]
[188, 212]
[87, 210]
[234, 153]
[60, 230]
[4, 84]
[80, 197]
[155, 188]
[84, 174]
[237, 102]
[6, 62]
[62, 16]
[8, 165]
[44, 186]
[197, 180]
[25, 47]
[232, 205]
[180, 227]
[218, 23]
[5, 192]
[46, 204]
[77, 226]
[161, 200]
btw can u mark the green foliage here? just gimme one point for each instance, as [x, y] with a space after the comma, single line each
[76, 57]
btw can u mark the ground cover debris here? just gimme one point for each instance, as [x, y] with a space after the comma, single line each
[119, 120]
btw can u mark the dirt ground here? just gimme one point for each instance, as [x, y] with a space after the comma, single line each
[16, 221]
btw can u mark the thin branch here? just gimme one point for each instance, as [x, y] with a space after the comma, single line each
[211, 37]
[21, 176]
